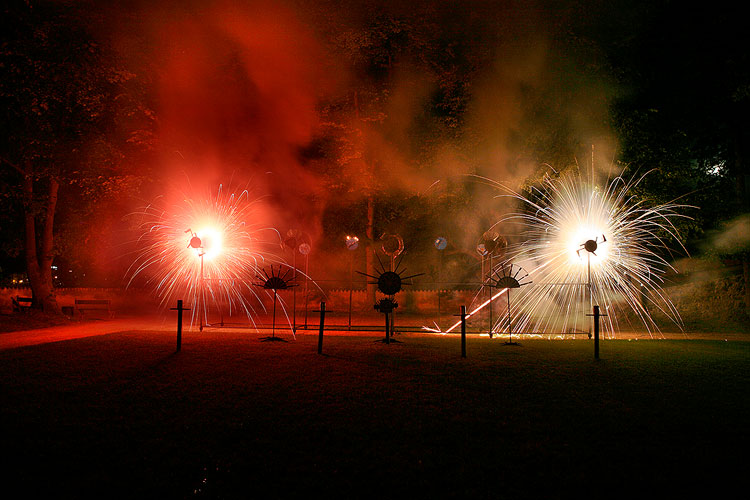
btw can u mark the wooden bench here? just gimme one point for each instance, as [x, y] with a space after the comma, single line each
[21, 304]
[94, 305]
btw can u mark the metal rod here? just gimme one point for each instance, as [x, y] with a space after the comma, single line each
[202, 303]
[322, 326]
[273, 324]
[463, 331]
[510, 329]
[179, 325]
[307, 280]
[387, 329]
[596, 332]
[489, 306]
[440, 281]
[591, 295]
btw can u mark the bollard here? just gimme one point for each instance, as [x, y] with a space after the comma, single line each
[179, 310]
[596, 316]
[322, 326]
[387, 328]
[463, 331]
[596, 332]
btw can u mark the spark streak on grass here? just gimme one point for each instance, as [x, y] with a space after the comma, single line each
[627, 271]
[477, 309]
[233, 249]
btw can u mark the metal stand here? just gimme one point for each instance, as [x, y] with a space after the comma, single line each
[596, 316]
[202, 303]
[510, 325]
[273, 337]
[322, 312]
[386, 306]
[463, 331]
[179, 310]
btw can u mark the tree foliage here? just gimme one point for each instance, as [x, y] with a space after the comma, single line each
[71, 118]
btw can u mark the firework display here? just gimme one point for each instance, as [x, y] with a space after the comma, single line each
[588, 246]
[205, 251]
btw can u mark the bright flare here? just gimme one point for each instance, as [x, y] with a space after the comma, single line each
[627, 265]
[233, 252]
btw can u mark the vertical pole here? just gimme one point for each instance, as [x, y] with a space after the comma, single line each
[351, 285]
[202, 302]
[596, 332]
[294, 291]
[489, 306]
[510, 329]
[392, 328]
[179, 325]
[463, 331]
[221, 310]
[387, 328]
[440, 284]
[322, 326]
[307, 280]
[484, 288]
[591, 295]
[273, 323]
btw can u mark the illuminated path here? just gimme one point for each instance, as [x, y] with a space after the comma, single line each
[12, 340]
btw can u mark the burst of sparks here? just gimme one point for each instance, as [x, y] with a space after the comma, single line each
[625, 271]
[213, 270]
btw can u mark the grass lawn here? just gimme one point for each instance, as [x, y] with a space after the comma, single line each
[122, 415]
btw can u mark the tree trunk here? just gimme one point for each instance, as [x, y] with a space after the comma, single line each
[39, 253]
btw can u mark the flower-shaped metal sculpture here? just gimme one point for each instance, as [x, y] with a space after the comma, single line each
[389, 283]
[275, 281]
[507, 276]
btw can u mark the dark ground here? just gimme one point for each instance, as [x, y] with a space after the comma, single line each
[122, 415]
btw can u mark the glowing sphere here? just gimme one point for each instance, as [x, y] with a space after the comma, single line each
[352, 242]
[441, 243]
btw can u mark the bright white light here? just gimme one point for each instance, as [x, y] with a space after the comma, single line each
[212, 242]
[577, 254]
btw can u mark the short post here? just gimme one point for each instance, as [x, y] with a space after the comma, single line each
[179, 310]
[596, 332]
[387, 328]
[463, 331]
[596, 316]
[322, 326]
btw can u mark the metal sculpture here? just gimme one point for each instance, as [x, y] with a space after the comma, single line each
[275, 281]
[507, 277]
[389, 284]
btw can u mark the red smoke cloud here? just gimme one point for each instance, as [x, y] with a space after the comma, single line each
[236, 95]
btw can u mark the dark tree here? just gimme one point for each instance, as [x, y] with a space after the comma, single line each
[69, 121]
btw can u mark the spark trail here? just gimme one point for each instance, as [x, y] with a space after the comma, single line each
[585, 245]
[206, 251]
